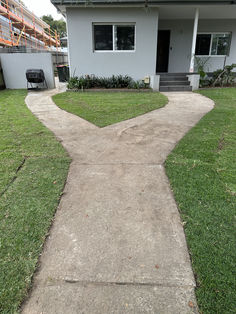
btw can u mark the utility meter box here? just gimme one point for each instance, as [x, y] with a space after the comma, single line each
[147, 80]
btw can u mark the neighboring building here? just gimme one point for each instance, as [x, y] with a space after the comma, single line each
[21, 29]
[145, 37]
[64, 43]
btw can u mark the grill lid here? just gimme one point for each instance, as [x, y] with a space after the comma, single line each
[35, 76]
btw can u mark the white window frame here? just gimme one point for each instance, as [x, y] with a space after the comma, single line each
[113, 37]
[214, 33]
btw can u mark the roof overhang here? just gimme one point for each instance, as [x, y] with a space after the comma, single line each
[145, 2]
[61, 5]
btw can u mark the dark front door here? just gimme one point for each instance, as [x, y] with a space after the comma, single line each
[163, 47]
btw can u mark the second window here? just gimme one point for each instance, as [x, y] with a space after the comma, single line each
[213, 44]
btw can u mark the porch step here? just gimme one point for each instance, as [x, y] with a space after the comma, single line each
[180, 88]
[174, 83]
[173, 78]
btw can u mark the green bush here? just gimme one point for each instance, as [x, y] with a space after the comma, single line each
[115, 81]
[201, 67]
[224, 77]
[73, 83]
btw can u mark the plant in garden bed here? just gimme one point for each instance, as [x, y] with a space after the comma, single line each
[221, 77]
[202, 70]
[224, 77]
[115, 81]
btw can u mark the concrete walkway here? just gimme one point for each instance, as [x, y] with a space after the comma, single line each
[117, 244]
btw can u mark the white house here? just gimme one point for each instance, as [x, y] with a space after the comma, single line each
[149, 37]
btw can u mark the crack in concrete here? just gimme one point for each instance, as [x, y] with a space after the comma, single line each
[56, 282]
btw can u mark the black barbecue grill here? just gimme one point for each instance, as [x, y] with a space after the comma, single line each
[35, 76]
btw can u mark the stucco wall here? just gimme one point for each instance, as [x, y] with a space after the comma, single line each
[14, 67]
[141, 62]
[181, 42]
[83, 60]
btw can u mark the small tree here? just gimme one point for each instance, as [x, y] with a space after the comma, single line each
[57, 25]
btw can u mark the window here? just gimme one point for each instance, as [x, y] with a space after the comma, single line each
[114, 37]
[220, 44]
[103, 37]
[124, 37]
[203, 44]
[213, 44]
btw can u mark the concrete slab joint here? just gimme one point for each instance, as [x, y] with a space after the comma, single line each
[117, 243]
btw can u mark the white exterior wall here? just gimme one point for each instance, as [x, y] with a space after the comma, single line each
[141, 62]
[14, 67]
[137, 64]
[181, 41]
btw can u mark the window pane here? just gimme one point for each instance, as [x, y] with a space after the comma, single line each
[103, 37]
[124, 37]
[203, 44]
[220, 44]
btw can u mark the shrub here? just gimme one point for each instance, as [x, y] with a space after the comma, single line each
[73, 82]
[224, 77]
[221, 77]
[201, 69]
[115, 81]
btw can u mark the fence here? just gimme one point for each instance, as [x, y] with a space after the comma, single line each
[58, 57]
[14, 67]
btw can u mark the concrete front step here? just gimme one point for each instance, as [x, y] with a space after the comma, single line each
[174, 83]
[180, 88]
[173, 78]
[173, 73]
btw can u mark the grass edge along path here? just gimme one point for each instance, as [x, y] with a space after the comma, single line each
[202, 173]
[106, 108]
[33, 171]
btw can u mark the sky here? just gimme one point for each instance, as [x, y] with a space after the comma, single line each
[42, 7]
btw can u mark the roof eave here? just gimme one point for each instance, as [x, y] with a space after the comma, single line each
[139, 2]
[61, 5]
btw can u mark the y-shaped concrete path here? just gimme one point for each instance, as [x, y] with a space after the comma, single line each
[117, 244]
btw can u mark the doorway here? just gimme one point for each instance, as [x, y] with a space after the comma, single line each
[163, 49]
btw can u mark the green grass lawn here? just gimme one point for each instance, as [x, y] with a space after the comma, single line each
[33, 170]
[105, 108]
[202, 172]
